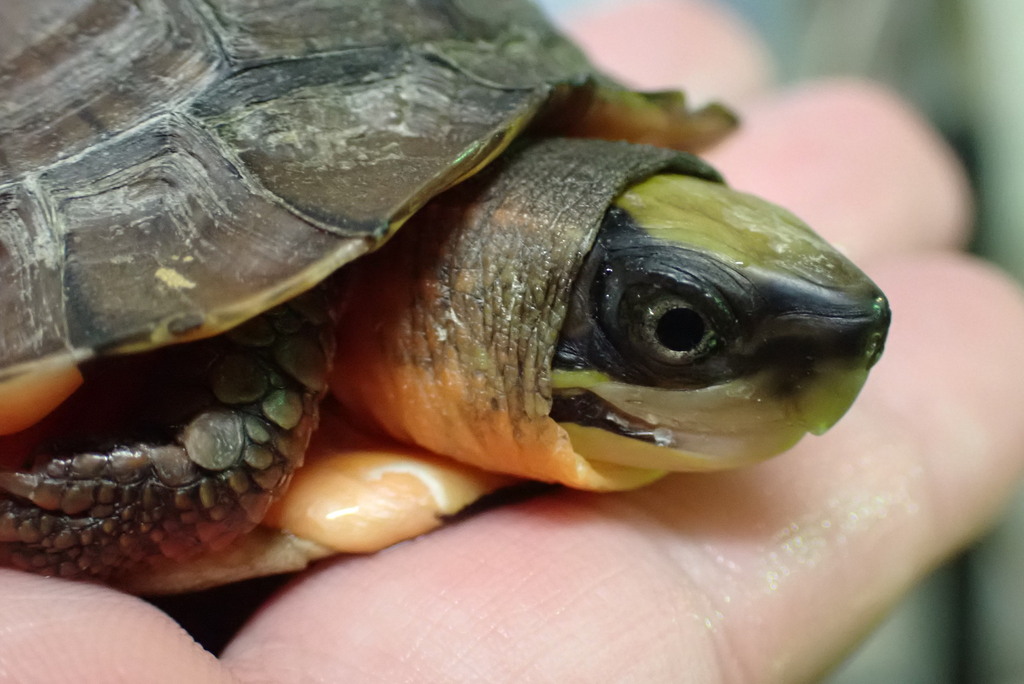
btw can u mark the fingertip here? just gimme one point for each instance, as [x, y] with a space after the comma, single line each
[924, 461]
[699, 47]
[855, 162]
[58, 631]
[952, 369]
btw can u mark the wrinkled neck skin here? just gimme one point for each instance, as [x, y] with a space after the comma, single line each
[449, 332]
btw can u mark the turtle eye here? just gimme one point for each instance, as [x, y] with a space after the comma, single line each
[679, 329]
[665, 328]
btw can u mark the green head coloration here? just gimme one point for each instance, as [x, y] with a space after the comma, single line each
[708, 329]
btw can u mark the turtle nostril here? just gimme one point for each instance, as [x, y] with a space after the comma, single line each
[874, 347]
[875, 342]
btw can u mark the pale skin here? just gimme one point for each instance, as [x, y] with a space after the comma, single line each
[767, 574]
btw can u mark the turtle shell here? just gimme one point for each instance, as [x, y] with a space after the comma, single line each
[169, 168]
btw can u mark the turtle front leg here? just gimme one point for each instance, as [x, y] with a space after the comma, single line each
[228, 421]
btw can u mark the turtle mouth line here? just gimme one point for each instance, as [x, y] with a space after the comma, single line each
[721, 426]
[586, 409]
[602, 432]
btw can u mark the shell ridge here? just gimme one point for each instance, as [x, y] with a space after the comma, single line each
[207, 17]
[38, 265]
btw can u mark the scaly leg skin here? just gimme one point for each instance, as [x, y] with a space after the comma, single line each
[355, 493]
[235, 414]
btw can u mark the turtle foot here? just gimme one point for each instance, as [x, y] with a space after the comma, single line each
[227, 420]
[86, 514]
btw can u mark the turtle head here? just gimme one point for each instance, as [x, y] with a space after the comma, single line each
[709, 328]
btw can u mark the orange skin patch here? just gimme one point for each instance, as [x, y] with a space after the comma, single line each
[429, 407]
[60, 407]
[25, 400]
[358, 495]
[410, 363]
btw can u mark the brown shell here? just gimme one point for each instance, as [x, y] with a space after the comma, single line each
[169, 168]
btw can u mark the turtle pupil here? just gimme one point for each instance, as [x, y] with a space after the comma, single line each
[680, 330]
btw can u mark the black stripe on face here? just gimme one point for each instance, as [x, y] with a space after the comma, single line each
[654, 313]
[584, 408]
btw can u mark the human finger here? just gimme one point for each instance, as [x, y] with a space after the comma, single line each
[856, 163]
[817, 149]
[671, 44]
[768, 573]
[59, 631]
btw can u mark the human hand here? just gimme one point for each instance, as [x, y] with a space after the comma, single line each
[766, 574]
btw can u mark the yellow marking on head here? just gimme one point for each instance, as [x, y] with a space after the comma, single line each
[738, 227]
[583, 379]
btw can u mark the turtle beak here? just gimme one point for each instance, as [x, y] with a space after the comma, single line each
[821, 358]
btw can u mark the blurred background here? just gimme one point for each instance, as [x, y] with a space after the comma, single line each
[961, 62]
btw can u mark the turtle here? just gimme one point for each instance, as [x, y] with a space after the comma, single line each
[281, 280]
